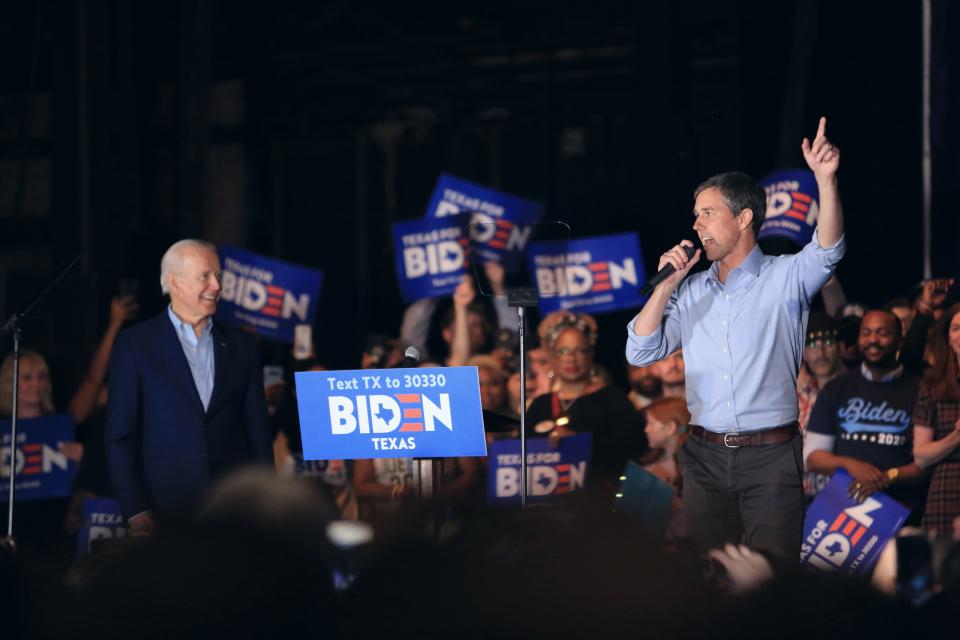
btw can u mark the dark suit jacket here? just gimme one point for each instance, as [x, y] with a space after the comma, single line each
[163, 449]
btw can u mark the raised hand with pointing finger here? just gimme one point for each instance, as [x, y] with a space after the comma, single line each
[823, 157]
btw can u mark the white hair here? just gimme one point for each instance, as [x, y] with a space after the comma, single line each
[173, 259]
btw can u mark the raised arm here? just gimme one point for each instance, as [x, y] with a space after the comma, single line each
[122, 308]
[463, 295]
[823, 158]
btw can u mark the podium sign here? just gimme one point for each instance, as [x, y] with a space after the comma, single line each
[390, 413]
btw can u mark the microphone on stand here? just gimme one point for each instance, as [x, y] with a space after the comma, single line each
[664, 273]
[411, 357]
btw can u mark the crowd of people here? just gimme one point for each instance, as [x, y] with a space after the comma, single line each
[886, 411]
[234, 533]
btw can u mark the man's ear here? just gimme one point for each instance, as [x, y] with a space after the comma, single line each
[746, 218]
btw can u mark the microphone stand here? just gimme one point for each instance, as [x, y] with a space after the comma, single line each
[12, 326]
[521, 298]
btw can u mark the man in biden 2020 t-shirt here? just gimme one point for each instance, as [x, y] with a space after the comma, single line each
[862, 421]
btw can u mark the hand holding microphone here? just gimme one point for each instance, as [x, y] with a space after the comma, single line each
[673, 267]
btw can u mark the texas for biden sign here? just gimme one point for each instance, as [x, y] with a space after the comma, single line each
[498, 222]
[840, 534]
[431, 257]
[792, 205]
[270, 296]
[42, 470]
[552, 470]
[390, 413]
[588, 274]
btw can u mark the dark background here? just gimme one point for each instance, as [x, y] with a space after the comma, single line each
[304, 129]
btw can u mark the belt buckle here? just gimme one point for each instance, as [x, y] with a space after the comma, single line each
[726, 444]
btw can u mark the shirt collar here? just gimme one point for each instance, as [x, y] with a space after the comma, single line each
[751, 264]
[186, 329]
[893, 375]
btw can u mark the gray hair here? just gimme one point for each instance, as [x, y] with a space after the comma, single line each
[173, 258]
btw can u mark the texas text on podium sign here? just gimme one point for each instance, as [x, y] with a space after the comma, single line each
[840, 534]
[390, 413]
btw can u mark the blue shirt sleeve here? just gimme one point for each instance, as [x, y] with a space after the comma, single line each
[815, 264]
[644, 350]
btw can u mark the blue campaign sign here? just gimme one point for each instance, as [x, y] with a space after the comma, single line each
[390, 413]
[841, 535]
[498, 222]
[792, 205]
[102, 520]
[551, 471]
[592, 275]
[269, 296]
[430, 256]
[42, 471]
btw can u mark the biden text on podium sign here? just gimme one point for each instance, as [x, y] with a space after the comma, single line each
[390, 413]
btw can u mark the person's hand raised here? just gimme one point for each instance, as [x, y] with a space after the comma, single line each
[464, 294]
[822, 156]
[934, 294]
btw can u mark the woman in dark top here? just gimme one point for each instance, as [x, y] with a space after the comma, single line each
[580, 402]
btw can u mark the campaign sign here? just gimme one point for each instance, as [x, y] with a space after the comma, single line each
[840, 534]
[551, 471]
[430, 256]
[390, 413]
[591, 275]
[792, 205]
[498, 222]
[42, 471]
[102, 520]
[269, 296]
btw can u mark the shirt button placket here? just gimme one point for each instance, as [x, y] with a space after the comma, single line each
[728, 376]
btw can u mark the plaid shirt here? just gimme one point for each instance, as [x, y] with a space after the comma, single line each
[943, 500]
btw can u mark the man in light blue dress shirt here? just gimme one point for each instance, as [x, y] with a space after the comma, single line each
[741, 326]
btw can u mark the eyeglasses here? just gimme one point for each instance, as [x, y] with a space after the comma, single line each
[568, 351]
[819, 342]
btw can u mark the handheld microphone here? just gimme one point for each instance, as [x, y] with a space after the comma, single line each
[411, 357]
[664, 273]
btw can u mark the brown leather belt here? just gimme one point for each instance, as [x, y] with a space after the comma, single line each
[734, 439]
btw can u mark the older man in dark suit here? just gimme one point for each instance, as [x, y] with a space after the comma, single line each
[186, 401]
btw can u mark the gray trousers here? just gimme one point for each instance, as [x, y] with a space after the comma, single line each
[752, 495]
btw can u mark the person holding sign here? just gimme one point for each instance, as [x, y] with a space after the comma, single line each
[741, 326]
[862, 421]
[186, 402]
[582, 402]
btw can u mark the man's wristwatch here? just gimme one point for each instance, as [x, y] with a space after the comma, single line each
[892, 473]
